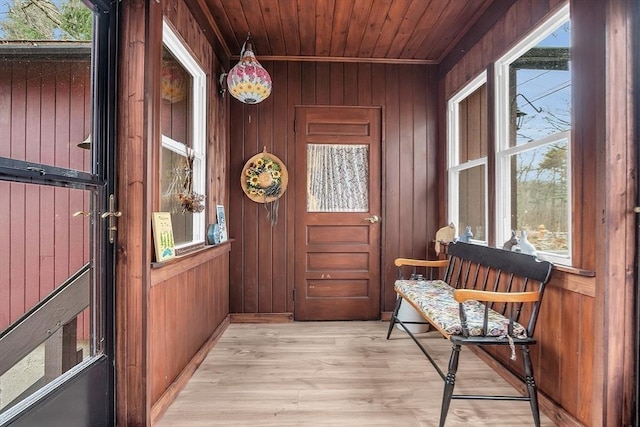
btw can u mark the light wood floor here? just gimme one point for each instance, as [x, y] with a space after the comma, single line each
[335, 374]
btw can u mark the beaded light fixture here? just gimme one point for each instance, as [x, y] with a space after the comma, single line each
[248, 81]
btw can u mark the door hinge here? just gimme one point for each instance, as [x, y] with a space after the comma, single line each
[294, 294]
[295, 125]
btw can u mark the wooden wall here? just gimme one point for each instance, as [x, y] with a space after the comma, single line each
[261, 276]
[169, 315]
[578, 318]
[44, 112]
[188, 304]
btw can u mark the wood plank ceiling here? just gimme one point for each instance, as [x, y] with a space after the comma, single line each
[411, 31]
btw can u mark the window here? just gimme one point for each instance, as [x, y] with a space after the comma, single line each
[337, 178]
[183, 153]
[533, 94]
[467, 159]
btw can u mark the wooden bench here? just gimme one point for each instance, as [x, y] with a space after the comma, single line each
[487, 297]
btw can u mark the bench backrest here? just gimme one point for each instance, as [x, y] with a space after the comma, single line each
[490, 269]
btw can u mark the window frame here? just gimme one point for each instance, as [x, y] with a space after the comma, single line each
[198, 126]
[454, 167]
[504, 152]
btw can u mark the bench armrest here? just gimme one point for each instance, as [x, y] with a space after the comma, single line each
[430, 266]
[462, 295]
[399, 262]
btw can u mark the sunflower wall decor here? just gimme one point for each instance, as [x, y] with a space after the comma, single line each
[264, 180]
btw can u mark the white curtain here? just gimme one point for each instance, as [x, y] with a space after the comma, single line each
[337, 178]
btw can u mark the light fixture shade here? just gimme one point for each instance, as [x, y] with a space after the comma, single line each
[248, 81]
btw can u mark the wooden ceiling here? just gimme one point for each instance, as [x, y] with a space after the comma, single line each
[406, 31]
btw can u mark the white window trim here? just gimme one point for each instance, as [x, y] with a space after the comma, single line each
[503, 210]
[453, 155]
[453, 117]
[504, 152]
[198, 124]
[502, 102]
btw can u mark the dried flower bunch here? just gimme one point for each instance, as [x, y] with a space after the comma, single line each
[189, 199]
[264, 177]
[191, 202]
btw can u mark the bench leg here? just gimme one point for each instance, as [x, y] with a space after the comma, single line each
[532, 390]
[392, 321]
[449, 383]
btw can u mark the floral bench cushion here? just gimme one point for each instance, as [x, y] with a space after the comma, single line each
[434, 298]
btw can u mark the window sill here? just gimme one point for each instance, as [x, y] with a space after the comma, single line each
[574, 280]
[161, 271]
[574, 270]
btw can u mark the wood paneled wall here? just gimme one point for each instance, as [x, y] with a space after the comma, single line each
[187, 304]
[261, 277]
[164, 315]
[570, 359]
[45, 107]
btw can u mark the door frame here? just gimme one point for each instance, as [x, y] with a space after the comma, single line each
[91, 382]
[636, 270]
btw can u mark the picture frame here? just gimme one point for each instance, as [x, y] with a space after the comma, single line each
[163, 236]
[222, 223]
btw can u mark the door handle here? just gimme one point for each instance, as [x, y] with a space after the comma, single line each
[109, 214]
[112, 214]
[373, 219]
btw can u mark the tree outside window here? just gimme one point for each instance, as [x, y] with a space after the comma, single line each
[45, 20]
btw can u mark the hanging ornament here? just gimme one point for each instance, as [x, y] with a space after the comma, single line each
[174, 82]
[264, 179]
[248, 81]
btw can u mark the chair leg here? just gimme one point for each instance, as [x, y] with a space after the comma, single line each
[532, 390]
[449, 383]
[392, 321]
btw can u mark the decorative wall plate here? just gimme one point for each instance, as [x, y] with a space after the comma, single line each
[264, 178]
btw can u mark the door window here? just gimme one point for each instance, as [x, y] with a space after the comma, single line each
[338, 178]
[46, 309]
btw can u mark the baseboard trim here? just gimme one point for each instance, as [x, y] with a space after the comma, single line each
[162, 404]
[261, 317]
[386, 316]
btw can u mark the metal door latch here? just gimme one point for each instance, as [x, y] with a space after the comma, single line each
[112, 214]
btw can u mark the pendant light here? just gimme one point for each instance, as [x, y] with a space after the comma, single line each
[248, 81]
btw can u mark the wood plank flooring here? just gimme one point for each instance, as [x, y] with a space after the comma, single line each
[335, 374]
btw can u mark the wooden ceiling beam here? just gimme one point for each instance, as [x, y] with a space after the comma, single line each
[475, 33]
[348, 59]
[202, 14]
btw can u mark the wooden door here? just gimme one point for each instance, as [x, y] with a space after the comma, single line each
[337, 232]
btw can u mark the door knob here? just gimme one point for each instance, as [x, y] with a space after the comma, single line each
[373, 219]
